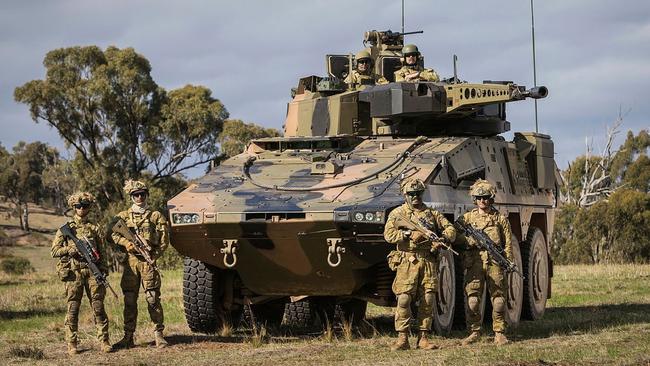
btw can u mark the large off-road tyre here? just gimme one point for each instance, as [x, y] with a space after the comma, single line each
[351, 311]
[268, 314]
[535, 267]
[200, 299]
[515, 298]
[445, 304]
[300, 314]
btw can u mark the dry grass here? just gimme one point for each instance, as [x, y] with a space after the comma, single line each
[598, 315]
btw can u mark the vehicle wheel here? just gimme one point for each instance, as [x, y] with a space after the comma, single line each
[300, 314]
[269, 314]
[515, 289]
[535, 268]
[352, 311]
[445, 304]
[200, 288]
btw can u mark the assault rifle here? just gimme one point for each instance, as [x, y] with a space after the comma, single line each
[425, 228]
[141, 246]
[494, 251]
[89, 254]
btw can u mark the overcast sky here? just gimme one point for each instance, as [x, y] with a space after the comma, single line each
[594, 55]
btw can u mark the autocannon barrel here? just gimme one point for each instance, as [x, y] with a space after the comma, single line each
[536, 93]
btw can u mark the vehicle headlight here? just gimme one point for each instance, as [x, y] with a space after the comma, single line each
[185, 218]
[358, 216]
[369, 216]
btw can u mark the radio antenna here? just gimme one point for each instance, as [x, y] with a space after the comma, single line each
[402, 16]
[532, 23]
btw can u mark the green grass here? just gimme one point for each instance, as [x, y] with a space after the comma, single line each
[598, 315]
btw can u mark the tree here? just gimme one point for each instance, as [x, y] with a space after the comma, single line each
[59, 182]
[21, 176]
[236, 134]
[107, 107]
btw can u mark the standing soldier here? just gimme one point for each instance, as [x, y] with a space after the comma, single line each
[415, 262]
[411, 71]
[152, 227]
[363, 75]
[480, 269]
[74, 271]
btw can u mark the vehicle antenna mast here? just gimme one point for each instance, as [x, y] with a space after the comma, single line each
[532, 23]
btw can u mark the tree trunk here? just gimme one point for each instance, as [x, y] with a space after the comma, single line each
[24, 221]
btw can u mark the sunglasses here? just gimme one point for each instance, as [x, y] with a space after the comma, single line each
[81, 205]
[363, 61]
[415, 193]
[139, 194]
[411, 55]
[482, 198]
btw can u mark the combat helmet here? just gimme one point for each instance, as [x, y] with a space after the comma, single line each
[84, 198]
[482, 188]
[134, 186]
[412, 185]
[363, 54]
[410, 48]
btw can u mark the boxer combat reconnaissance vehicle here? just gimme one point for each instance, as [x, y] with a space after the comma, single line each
[291, 230]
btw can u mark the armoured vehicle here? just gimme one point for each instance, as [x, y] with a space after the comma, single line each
[295, 224]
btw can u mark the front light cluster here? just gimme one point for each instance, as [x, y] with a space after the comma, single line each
[372, 216]
[185, 218]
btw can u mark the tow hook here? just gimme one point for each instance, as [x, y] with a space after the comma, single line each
[230, 249]
[334, 248]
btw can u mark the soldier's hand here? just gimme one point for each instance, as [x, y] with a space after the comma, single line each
[436, 245]
[418, 237]
[471, 242]
[412, 76]
[72, 250]
[130, 247]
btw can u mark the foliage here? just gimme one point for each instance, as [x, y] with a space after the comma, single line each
[16, 265]
[170, 259]
[27, 352]
[613, 229]
[236, 134]
[107, 107]
[21, 175]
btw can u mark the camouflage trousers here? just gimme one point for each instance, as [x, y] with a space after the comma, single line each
[416, 279]
[480, 271]
[84, 281]
[139, 273]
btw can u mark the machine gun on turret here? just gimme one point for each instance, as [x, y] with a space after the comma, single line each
[378, 38]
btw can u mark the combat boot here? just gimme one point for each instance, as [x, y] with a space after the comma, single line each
[72, 348]
[160, 340]
[125, 342]
[471, 338]
[402, 342]
[423, 341]
[106, 346]
[500, 339]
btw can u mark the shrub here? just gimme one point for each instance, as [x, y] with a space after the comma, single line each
[16, 265]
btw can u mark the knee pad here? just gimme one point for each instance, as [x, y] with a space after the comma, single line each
[499, 304]
[472, 303]
[429, 297]
[404, 300]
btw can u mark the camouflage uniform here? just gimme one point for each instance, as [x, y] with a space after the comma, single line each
[74, 272]
[152, 226]
[415, 264]
[482, 271]
[359, 81]
[425, 74]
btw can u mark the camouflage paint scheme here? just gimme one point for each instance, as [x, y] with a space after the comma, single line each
[345, 152]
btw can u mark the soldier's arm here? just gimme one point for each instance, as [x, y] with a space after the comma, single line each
[429, 75]
[163, 231]
[461, 238]
[381, 80]
[392, 233]
[399, 76]
[446, 228]
[59, 246]
[101, 248]
[120, 240]
[506, 230]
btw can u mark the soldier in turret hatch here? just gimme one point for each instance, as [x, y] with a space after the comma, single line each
[363, 75]
[411, 71]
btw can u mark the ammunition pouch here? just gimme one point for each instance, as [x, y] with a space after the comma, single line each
[64, 270]
[394, 260]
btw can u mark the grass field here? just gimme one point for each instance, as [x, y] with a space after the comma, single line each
[598, 315]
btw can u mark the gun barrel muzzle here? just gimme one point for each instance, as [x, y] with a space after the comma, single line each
[538, 92]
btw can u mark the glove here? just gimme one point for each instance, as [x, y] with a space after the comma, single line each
[436, 245]
[418, 237]
[130, 247]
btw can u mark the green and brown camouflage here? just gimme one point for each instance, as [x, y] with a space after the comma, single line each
[303, 215]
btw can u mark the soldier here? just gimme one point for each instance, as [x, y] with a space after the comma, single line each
[411, 71]
[152, 226]
[73, 270]
[480, 269]
[363, 75]
[414, 262]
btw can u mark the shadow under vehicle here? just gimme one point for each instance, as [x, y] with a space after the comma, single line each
[294, 226]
